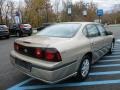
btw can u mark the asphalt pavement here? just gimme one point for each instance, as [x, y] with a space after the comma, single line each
[105, 74]
[8, 74]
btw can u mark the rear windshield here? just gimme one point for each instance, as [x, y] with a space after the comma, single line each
[60, 30]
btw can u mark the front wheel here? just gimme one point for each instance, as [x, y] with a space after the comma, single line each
[110, 50]
[84, 68]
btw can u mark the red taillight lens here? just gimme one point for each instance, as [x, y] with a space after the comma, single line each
[49, 55]
[52, 55]
[38, 53]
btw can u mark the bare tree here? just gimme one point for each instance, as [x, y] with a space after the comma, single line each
[6, 12]
[56, 7]
[9, 11]
[12, 9]
[28, 6]
[1, 9]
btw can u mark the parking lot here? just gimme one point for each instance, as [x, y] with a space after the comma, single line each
[105, 74]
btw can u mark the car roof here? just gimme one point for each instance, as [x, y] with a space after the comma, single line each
[84, 23]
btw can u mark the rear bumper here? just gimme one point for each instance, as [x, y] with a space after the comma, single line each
[48, 75]
[4, 34]
[26, 31]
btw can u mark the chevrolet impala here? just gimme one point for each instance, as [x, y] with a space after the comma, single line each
[62, 50]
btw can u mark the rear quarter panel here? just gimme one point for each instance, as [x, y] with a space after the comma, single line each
[73, 49]
[109, 40]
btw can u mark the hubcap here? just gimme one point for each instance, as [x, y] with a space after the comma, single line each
[85, 67]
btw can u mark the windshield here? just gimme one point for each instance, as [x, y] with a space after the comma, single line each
[60, 30]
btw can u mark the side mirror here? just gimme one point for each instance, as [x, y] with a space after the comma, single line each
[109, 33]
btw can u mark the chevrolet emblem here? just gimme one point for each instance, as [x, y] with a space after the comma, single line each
[25, 50]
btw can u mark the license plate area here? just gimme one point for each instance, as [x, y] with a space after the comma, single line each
[23, 64]
[27, 28]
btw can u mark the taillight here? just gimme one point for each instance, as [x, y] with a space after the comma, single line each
[38, 53]
[47, 54]
[21, 26]
[52, 55]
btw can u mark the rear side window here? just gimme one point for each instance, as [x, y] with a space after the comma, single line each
[92, 31]
[101, 30]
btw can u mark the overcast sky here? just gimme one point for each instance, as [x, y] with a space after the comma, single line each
[105, 4]
[102, 4]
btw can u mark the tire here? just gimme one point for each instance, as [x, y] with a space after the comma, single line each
[8, 36]
[18, 34]
[84, 68]
[29, 34]
[110, 50]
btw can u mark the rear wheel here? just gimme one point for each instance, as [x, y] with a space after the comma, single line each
[84, 68]
[29, 34]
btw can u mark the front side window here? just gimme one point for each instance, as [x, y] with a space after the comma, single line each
[60, 30]
[92, 31]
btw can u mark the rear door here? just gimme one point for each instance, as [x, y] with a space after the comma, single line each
[96, 41]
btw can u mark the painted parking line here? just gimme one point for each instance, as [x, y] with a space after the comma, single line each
[116, 50]
[117, 46]
[20, 87]
[105, 73]
[112, 56]
[118, 40]
[109, 65]
[20, 84]
[90, 83]
[113, 60]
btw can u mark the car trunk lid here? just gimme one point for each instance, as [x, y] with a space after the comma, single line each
[40, 41]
